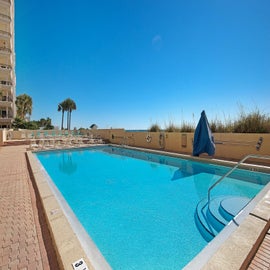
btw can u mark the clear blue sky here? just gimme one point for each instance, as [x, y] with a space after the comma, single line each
[133, 63]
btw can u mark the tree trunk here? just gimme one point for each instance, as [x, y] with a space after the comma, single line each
[68, 116]
[62, 123]
[69, 119]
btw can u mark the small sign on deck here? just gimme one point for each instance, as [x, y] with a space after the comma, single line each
[80, 265]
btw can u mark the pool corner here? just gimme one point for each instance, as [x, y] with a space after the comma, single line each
[235, 247]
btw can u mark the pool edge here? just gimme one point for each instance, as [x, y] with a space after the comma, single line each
[67, 245]
[252, 225]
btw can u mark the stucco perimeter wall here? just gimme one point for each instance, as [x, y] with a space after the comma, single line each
[179, 142]
[231, 146]
[238, 145]
[107, 134]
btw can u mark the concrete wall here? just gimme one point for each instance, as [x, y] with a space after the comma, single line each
[238, 145]
[232, 146]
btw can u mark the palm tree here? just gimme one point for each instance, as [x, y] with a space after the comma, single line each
[62, 108]
[24, 106]
[68, 105]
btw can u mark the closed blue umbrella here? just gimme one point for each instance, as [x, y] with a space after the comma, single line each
[203, 138]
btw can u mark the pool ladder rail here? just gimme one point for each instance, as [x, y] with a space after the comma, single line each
[213, 214]
[233, 169]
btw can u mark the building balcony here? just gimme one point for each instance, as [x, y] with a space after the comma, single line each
[5, 18]
[5, 83]
[6, 71]
[6, 98]
[5, 34]
[4, 50]
[6, 2]
[5, 74]
[6, 114]
[6, 120]
[6, 104]
[6, 93]
[5, 79]
[4, 66]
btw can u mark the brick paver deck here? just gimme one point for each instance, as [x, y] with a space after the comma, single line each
[25, 241]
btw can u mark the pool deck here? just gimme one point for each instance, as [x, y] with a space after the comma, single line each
[29, 216]
[25, 241]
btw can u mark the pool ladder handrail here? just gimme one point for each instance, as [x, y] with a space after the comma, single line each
[232, 170]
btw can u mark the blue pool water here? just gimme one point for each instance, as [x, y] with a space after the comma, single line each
[138, 207]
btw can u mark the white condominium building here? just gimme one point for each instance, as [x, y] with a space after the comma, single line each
[7, 64]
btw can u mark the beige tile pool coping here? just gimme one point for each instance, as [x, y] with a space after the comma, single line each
[68, 247]
[231, 249]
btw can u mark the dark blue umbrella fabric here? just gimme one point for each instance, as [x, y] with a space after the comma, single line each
[203, 139]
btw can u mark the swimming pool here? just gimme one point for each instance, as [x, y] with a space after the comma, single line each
[139, 207]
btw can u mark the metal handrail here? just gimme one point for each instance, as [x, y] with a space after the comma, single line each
[233, 169]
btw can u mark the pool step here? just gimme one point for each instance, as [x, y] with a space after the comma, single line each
[213, 217]
[229, 207]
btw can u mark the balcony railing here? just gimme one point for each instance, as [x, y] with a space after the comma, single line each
[6, 119]
[5, 1]
[6, 114]
[6, 98]
[5, 17]
[6, 104]
[5, 34]
[6, 83]
[5, 50]
[4, 66]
